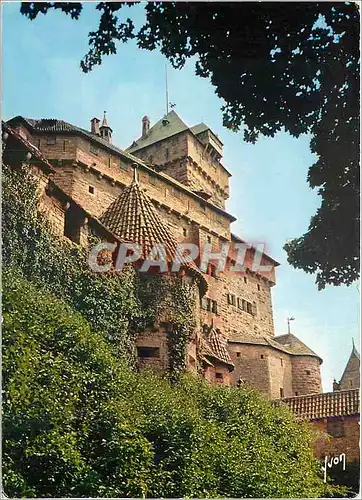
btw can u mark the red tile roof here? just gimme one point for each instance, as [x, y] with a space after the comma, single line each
[133, 218]
[325, 405]
[216, 347]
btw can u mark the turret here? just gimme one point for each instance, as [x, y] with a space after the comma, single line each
[105, 129]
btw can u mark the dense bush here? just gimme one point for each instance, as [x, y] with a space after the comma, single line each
[78, 422]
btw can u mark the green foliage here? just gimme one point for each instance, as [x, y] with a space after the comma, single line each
[78, 422]
[120, 305]
[109, 302]
[67, 429]
[275, 65]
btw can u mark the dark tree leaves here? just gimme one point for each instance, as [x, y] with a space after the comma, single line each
[276, 66]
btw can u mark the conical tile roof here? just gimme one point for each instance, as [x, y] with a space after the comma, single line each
[294, 345]
[133, 218]
[351, 375]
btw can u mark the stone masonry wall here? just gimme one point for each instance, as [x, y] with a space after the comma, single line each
[306, 375]
[185, 159]
[251, 366]
[214, 172]
[156, 338]
[262, 367]
[329, 446]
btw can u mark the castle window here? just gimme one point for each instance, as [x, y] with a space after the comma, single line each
[296, 394]
[184, 231]
[91, 189]
[64, 145]
[148, 352]
[231, 299]
[209, 239]
[51, 140]
[240, 304]
[238, 354]
[281, 361]
[152, 180]
[214, 306]
[177, 194]
[243, 302]
[350, 383]
[109, 162]
[203, 207]
[249, 308]
[122, 165]
[307, 372]
[218, 375]
[335, 427]
[245, 279]
[166, 153]
[258, 287]
[261, 356]
[281, 390]
[93, 149]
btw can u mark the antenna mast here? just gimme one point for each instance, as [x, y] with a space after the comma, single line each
[166, 88]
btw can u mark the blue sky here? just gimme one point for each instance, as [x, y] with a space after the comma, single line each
[269, 193]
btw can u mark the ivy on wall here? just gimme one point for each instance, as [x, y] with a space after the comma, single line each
[118, 304]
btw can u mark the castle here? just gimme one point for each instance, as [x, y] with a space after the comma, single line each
[178, 195]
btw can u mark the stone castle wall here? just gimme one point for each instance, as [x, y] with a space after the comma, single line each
[95, 176]
[185, 159]
[348, 442]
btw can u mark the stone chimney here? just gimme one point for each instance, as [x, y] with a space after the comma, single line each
[145, 126]
[95, 126]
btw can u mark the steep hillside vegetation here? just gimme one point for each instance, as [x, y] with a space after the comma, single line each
[78, 421]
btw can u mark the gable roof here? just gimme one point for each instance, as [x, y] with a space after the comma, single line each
[171, 124]
[168, 126]
[325, 405]
[213, 346]
[200, 127]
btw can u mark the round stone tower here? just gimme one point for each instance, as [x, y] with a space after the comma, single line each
[306, 374]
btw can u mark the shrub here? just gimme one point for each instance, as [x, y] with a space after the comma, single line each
[78, 422]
